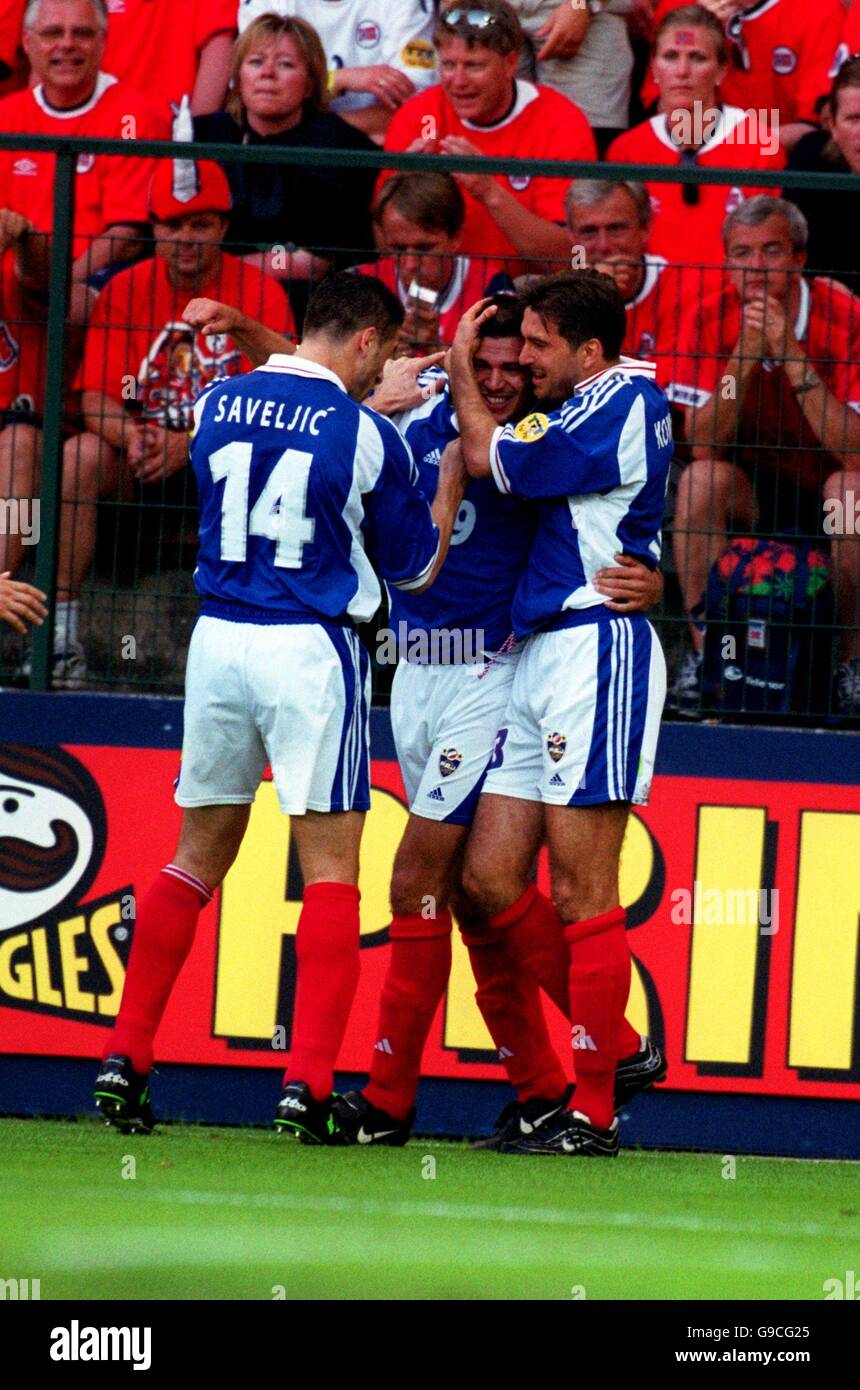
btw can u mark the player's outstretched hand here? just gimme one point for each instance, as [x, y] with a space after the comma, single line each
[210, 316]
[399, 389]
[630, 588]
[21, 603]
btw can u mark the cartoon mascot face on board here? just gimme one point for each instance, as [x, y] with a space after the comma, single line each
[52, 833]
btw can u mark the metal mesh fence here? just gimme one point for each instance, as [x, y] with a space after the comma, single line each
[761, 551]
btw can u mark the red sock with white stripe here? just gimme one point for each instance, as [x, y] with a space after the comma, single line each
[510, 1004]
[327, 970]
[599, 986]
[418, 971]
[164, 930]
[536, 934]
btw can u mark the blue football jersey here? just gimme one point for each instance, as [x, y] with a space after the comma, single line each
[302, 494]
[489, 547]
[599, 467]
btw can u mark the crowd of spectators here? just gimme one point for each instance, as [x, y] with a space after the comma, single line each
[721, 281]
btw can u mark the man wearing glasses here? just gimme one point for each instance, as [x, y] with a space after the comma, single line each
[64, 41]
[768, 373]
[479, 107]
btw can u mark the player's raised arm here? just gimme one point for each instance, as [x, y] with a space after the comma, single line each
[254, 339]
[477, 425]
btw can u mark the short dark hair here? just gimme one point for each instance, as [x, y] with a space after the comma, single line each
[430, 199]
[502, 33]
[344, 303]
[581, 304]
[507, 321]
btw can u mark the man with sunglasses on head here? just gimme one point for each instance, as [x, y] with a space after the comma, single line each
[480, 107]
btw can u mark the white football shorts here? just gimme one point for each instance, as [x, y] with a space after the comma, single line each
[445, 720]
[293, 695]
[583, 720]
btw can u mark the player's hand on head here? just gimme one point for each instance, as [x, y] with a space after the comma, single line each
[630, 587]
[21, 603]
[469, 328]
[209, 316]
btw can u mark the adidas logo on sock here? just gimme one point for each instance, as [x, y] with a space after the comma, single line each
[582, 1040]
[556, 781]
[383, 1046]
[504, 1052]
[436, 794]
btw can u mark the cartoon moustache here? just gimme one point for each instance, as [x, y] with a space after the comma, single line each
[26, 868]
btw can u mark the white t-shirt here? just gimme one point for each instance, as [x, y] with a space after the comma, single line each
[360, 33]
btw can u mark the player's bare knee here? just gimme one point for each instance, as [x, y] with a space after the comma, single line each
[412, 889]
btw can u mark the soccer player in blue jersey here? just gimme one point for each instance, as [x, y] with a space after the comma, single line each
[447, 704]
[305, 495]
[578, 741]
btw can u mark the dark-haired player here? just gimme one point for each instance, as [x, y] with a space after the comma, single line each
[447, 705]
[302, 492]
[577, 744]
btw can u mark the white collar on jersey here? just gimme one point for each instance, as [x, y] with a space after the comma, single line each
[452, 291]
[103, 81]
[300, 366]
[727, 120]
[744, 16]
[625, 366]
[654, 267]
[527, 92]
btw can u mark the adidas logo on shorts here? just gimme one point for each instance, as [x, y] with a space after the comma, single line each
[436, 794]
[556, 781]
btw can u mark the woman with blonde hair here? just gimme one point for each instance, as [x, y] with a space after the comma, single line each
[279, 97]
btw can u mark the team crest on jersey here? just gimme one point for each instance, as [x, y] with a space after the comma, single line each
[519, 182]
[8, 348]
[533, 427]
[367, 33]
[85, 163]
[419, 53]
[647, 343]
[556, 746]
[177, 367]
[449, 760]
[784, 59]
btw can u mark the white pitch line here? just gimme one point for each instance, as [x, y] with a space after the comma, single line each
[481, 1212]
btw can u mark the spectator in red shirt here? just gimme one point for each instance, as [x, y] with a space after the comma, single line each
[419, 224]
[137, 338]
[171, 49]
[693, 128]
[833, 216]
[64, 41]
[849, 44]
[768, 374]
[610, 223]
[479, 107]
[779, 54]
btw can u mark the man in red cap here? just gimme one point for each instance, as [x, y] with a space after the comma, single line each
[143, 369]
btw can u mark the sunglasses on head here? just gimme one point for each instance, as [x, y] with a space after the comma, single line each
[473, 19]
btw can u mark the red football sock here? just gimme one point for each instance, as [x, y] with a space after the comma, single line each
[536, 933]
[510, 1004]
[417, 974]
[599, 986]
[163, 932]
[327, 969]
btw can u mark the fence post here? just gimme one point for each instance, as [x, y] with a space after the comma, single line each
[50, 492]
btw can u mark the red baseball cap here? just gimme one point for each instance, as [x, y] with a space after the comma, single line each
[183, 186]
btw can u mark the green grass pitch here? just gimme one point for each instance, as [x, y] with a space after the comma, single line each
[240, 1213]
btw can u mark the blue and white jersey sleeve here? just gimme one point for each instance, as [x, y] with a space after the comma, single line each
[402, 541]
[577, 450]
